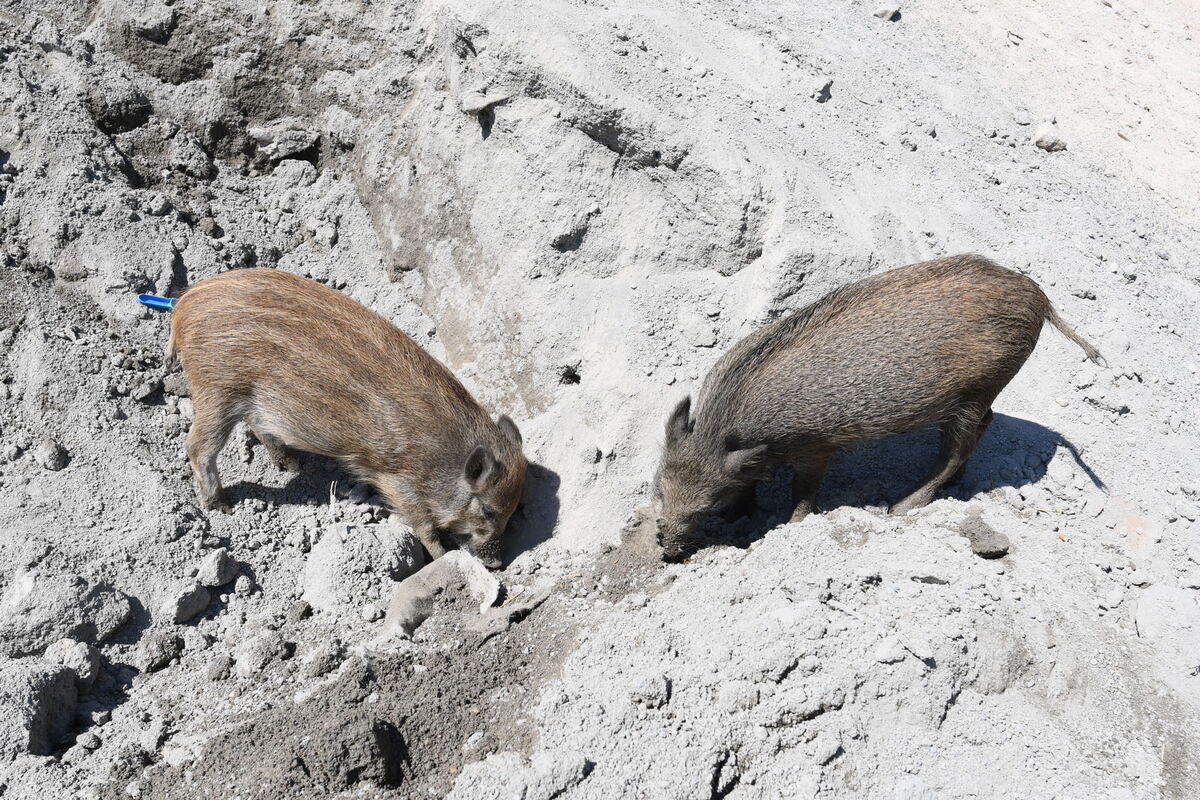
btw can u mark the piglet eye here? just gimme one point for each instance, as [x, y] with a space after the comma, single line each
[489, 513]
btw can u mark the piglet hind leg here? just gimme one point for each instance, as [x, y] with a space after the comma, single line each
[286, 459]
[960, 433]
[806, 482]
[980, 429]
[210, 429]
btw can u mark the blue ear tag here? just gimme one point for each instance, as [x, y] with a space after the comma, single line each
[154, 301]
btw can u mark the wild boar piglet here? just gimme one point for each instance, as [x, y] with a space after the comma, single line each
[930, 343]
[307, 368]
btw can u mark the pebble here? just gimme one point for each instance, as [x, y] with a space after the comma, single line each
[986, 542]
[50, 454]
[219, 668]
[1139, 578]
[243, 586]
[217, 568]
[186, 601]
[1046, 136]
[820, 91]
[88, 741]
[158, 650]
[887, 11]
[370, 612]
[299, 610]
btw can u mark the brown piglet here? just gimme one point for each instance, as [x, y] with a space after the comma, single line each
[307, 368]
[927, 344]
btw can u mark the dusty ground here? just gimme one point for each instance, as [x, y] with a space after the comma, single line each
[579, 206]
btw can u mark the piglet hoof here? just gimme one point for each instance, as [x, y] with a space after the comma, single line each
[801, 511]
[219, 502]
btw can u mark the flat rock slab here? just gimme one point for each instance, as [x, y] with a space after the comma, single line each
[38, 609]
[414, 600]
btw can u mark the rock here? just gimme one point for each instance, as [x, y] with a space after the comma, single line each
[356, 564]
[186, 601]
[475, 102]
[890, 651]
[79, 657]
[243, 586]
[820, 91]
[217, 568]
[286, 139]
[186, 155]
[413, 600]
[219, 668]
[254, 654]
[1046, 137]
[299, 610]
[37, 610]
[155, 23]
[50, 454]
[887, 11]
[177, 385]
[1113, 598]
[986, 542]
[1139, 578]
[651, 691]
[371, 612]
[37, 707]
[116, 106]
[159, 649]
[322, 659]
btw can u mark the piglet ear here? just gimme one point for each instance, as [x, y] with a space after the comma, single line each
[509, 429]
[749, 463]
[480, 466]
[680, 424]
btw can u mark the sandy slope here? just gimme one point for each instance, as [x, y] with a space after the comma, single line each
[650, 183]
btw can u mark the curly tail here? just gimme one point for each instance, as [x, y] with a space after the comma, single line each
[172, 359]
[1066, 330]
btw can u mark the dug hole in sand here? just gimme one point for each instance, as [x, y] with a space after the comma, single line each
[578, 208]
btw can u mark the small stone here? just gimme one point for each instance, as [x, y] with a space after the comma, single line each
[299, 610]
[186, 601]
[322, 660]
[820, 91]
[1046, 137]
[651, 691]
[1112, 599]
[887, 11]
[475, 102]
[217, 568]
[986, 542]
[88, 741]
[145, 390]
[243, 586]
[79, 657]
[219, 668]
[158, 650]
[1139, 578]
[370, 612]
[254, 654]
[889, 651]
[50, 454]
[158, 204]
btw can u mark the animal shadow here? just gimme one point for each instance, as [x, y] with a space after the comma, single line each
[1013, 452]
[537, 515]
